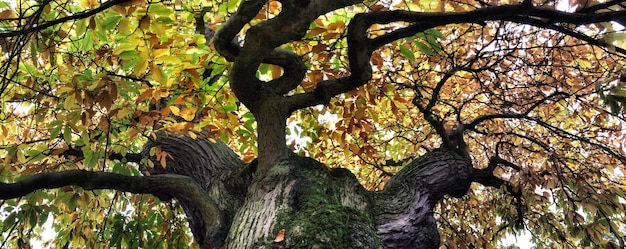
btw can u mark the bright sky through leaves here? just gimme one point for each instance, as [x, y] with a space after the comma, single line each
[542, 101]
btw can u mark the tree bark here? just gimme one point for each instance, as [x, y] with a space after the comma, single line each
[297, 203]
[314, 206]
[213, 166]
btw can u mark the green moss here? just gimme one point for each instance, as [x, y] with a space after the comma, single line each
[318, 219]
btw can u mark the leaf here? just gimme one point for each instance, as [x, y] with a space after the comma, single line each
[124, 26]
[424, 48]
[110, 22]
[143, 61]
[280, 236]
[187, 113]
[67, 134]
[87, 42]
[160, 9]
[145, 22]
[129, 54]
[168, 59]
[407, 53]
[164, 20]
[124, 47]
[81, 26]
[615, 36]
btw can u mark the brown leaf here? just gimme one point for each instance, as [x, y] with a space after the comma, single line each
[280, 236]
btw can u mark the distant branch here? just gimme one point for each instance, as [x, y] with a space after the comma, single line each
[360, 46]
[600, 6]
[79, 15]
[130, 157]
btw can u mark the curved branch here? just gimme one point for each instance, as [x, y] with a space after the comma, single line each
[360, 45]
[261, 46]
[169, 184]
[486, 178]
[558, 131]
[404, 208]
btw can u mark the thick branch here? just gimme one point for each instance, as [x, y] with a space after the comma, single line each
[168, 184]
[361, 45]
[404, 208]
[212, 165]
[261, 46]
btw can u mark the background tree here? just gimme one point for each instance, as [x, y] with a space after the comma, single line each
[514, 109]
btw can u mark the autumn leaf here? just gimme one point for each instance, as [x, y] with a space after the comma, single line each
[280, 236]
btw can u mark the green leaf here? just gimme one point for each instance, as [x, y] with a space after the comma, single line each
[9, 221]
[93, 159]
[131, 54]
[56, 126]
[130, 64]
[32, 153]
[80, 27]
[67, 134]
[434, 32]
[110, 22]
[615, 108]
[32, 219]
[424, 48]
[164, 20]
[407, 53]
[121, 47]
[612, 37]
[87, 41]
[160, 9]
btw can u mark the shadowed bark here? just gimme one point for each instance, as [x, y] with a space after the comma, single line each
[404, 214]
[214, 167]
[318, 207]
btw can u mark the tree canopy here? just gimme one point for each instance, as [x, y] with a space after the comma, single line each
[533, 91]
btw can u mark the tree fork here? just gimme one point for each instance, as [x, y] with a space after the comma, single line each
[214, 167]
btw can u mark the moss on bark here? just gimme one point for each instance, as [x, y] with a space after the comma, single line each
[322, 216]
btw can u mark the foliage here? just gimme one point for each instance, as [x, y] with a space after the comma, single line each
[543, 111]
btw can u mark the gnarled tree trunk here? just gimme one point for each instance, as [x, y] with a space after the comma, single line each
[300, 203]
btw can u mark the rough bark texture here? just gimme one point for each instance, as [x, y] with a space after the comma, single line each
[215, 167]
[317, 207]
[404, 215]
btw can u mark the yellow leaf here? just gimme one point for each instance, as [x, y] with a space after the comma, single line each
[121, 47]
[142, 65]
[160, 52]
[175, 110]
[168, 59]
[155, 72]
[192, 135]
[124, 26]
[187, 113]
[20, 157]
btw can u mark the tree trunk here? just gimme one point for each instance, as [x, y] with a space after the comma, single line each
[301, 203]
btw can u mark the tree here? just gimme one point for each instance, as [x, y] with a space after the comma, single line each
[464, 122]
